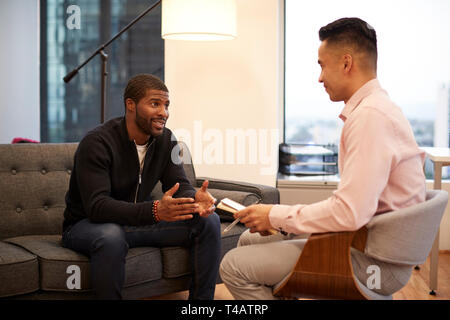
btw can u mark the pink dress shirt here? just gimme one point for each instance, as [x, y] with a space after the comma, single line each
[380, 165]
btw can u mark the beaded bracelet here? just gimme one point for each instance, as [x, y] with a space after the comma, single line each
[155, 211]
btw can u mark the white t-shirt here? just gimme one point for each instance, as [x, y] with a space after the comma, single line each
[141, 150]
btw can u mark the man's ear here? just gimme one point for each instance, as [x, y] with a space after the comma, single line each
[347, 62]
[130, 105]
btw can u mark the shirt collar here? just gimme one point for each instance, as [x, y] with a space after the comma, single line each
[356, 98]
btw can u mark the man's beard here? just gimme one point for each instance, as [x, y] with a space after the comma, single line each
[144, 125]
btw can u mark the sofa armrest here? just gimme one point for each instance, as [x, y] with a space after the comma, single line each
[269, 195]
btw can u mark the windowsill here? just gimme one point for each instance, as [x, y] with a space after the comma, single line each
[322, 180]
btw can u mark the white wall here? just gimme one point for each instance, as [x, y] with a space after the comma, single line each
[19, 70]
[231, 85]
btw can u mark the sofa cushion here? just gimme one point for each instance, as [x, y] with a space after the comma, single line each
[175, 262]
[176, 259]
[142, 264]
[19, 270]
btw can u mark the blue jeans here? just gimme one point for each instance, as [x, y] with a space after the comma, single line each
[107, 246]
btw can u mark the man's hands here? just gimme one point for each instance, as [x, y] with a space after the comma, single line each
[256, 217]
[176, 209]
[205, 200]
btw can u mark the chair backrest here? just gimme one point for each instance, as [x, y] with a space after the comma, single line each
[406, 236]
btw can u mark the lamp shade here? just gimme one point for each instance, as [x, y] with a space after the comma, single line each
[198, 19]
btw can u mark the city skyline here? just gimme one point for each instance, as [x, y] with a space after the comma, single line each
[413, 56]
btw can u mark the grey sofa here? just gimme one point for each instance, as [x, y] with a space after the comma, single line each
[33, 264]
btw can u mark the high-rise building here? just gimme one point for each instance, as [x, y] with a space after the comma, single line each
[441, 126]
[441, 122]
[69, 110]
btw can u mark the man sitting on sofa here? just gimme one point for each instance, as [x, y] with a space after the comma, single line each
[108, 205]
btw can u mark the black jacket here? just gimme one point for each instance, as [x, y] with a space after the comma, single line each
[105, 177]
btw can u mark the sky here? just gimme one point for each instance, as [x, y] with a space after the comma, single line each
[413, 52]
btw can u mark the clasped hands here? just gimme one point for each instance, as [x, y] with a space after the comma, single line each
[176, 209]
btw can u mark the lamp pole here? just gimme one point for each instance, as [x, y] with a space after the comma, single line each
[104, 58]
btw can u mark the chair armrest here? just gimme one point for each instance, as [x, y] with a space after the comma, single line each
[324, 268]
[268, 194]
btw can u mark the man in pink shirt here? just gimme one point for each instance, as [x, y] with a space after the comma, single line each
[380, 165]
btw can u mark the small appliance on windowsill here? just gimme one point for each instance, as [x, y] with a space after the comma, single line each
[308, 159]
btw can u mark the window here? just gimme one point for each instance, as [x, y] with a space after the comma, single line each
[69, 110]
[413, 66]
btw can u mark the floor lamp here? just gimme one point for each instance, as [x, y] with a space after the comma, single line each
[200, 20]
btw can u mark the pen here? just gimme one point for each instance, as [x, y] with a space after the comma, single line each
[231, 225]
[227, 229]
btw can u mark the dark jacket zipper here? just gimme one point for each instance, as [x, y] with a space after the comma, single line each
[140, 173]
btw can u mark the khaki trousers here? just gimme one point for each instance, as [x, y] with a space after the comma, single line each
[258, 263]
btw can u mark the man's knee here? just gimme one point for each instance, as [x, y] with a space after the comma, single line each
[210, 225]
[248, 238]
[214, 221]
[111, 241]
[245, 239]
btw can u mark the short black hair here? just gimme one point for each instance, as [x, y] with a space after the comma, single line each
[137, 87]
[354, 32]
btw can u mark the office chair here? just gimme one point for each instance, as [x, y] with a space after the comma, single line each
[345, 265]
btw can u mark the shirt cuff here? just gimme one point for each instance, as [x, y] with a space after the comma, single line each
[282, 217]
